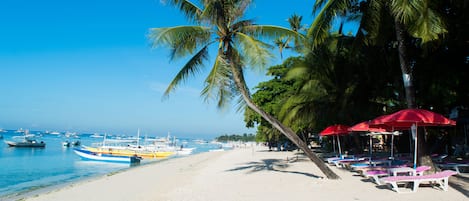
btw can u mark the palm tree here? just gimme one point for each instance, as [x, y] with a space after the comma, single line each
[416, 18]
[238, 44]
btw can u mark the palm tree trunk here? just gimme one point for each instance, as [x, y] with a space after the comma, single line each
[405, 65]
[423, 158]
[241, 85]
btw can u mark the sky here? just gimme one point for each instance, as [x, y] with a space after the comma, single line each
[87, 66]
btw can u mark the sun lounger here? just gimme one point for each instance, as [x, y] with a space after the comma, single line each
[453, 166]
[421, 169]
[440, 178]
[375, 174]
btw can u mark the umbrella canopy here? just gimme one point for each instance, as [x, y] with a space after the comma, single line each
[337, 129]
[408, 118]
[365, 126]
[376, 130]
[404, 119]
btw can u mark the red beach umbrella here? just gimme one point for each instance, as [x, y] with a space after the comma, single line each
[408, 118]
[335, 130]
[404, 119]
[365, 126]
[378, 129]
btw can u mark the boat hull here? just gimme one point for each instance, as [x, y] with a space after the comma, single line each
[89, 155]
[26, 144]
[129, 152]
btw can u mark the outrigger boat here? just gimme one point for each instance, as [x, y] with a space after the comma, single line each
[128, 151]
[89, 155]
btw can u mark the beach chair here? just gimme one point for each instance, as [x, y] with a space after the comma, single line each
[421, 169]
[440, 178]
[453, 166]
[374, 175]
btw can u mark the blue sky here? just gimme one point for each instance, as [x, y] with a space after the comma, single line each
[87, 66]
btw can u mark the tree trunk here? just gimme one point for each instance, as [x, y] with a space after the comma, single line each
[422, 156]
[241, 85]
[406, 69]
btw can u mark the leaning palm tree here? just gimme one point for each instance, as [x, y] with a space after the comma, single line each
[238, 45]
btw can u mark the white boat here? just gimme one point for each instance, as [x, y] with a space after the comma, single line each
[96, 135]
[89, 155]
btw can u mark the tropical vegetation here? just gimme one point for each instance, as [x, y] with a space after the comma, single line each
[404, 54]
[352, 78]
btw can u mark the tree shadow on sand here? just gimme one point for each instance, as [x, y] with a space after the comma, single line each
[270, 165]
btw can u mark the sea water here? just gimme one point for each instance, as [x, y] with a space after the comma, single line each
[27, 169]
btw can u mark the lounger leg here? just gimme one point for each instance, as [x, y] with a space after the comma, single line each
[394, 186]
[445, 185]
[376, 178]
[416, 186]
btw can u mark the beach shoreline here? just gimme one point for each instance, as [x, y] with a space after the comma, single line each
[251, 173]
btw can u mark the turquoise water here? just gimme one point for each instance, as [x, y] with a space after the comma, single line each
[25, 169]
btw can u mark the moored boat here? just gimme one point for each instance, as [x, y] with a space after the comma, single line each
[26, 140]
[128, 151]
[90, 155]
[26, 143]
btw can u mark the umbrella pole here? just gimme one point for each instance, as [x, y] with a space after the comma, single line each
[415, 147]
[371, 148]
[333, 145]
[392, 146]
[338, 144]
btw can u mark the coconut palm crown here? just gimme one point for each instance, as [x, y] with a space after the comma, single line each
[219, 24]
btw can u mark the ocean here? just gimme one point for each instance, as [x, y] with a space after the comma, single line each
[27, 169]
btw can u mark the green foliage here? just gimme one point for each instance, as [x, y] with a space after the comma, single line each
[219, 25]
[234, 137]
[351, 79]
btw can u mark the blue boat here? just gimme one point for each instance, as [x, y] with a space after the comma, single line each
[89, 155]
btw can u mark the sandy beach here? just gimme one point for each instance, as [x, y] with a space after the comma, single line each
[242, 174]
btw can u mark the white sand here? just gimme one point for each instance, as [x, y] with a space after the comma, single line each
[252, 174]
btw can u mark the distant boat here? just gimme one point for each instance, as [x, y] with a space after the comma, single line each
[26, 140]
[96, 135]
[54, 133]
[26, 143]
[89, 155]
[66, 144]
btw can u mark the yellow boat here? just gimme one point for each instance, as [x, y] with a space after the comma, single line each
[124, 151]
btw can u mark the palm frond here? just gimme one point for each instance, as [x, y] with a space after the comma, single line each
[322, 24]
[190, 68]
[406, 11]
[190, 10]
[217, 84]
[256, 52]
[240, 24]
[318, 5]
[298, 71]
[236, 66]
[270, 32]
[183, 40]
[371, 21]
[428, 26]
